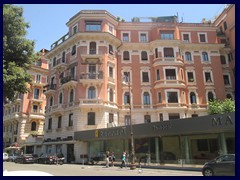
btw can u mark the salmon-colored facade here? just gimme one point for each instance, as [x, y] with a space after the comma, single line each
[174, 68]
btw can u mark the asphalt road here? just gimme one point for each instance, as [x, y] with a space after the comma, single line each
[80, 170]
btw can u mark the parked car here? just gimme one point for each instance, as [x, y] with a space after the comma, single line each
[223, 165]
[5, 156]
[46, 159]
[12, 157]
[35, 157]
[25, 158]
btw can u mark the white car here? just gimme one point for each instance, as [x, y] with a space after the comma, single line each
[5, 156]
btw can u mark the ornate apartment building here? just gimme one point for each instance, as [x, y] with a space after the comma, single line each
[24, 118]
[171, 71]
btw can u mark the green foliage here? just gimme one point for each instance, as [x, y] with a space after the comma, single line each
[221, 107]
[18, 52]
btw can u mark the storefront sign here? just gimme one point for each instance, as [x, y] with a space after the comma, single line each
[219, 121]
[110, 133]
[161, 127]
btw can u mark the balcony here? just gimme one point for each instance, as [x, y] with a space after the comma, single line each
[93, 57]
[36, 114]
[61, 65]
[69, 81]
[91, 78]
[51, 89]
[57, 109]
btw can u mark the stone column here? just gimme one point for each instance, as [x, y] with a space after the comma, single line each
[186, 145]
[223, 145]
[157, 149]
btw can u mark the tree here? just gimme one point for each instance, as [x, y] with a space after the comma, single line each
[18, 52]
[221, 107]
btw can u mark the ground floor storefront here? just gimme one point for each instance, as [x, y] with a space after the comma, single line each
[189, 141]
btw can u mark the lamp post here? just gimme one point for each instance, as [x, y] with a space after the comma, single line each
[132, 165]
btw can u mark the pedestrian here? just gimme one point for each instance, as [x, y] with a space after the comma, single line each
[126, 161]
[112, 159]
[123, 158]
[107, 158]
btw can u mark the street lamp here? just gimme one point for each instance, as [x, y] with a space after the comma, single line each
[127, 81]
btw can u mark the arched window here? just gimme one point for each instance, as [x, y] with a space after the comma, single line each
[93, 48]
[51, 101]
[205, 56]
[126, 55]
[144, 56]
[210, 96]
[33, 126]
[71, 96]
[60, 98]
[188, 56]
[146, 98]
[91, 93]
[111, 95]
[193, 99]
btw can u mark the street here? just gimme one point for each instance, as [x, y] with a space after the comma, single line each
[86, 170]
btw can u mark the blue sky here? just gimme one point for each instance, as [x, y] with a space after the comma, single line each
[48, 21]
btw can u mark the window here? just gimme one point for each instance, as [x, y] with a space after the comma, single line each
[127, 120]
[144, 56]
[36, 93]
[110, 71]
[125, 37]
[91, 93]
[172, 116]
[111, 29]
[167, 35]
[111, 118]
[156, 52]
[92, 48]
[72, 72]
[226, 80]
[143, 37]
[70, 120]
[147, 119]
[126, 77]
[50, 123]
[186, 38]
[93, 26]
[110, 48]
[202, 37]
[33, 126]
[225, 25]
[168, 52]
[51, 101]
[38, 78]
[60, 98]
[158, 74]
[63, 56]
[188, 56]
[111, 95]
[145, 77]
[230, 57]
[126, 98]
[223, 60]
[172, 97]
[39, 63]
[202, 145]
[170, 74]
[159, 97]
[208, 78]
[193, 99]
[126, 55]
[146, 98]
[35, 108]
[210, 96]
[59, 122]
[71, 96]
[74, 30]
[205, 56]
[73, 50]
[91, 118]
[54, 61]
[190, 76]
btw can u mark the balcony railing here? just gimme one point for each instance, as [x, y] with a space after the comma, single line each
[67, 79]
[92, 75]
[51, 87]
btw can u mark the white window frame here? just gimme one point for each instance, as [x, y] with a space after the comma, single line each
[196, 94]
[170, 67]
[150, 97]
[189, 35]
[148, 56]
[139, 36]
[130, 57]
[209, 57]
[173, 90]
[194, 76]
[129, 36]
[204, 77]
[40, 78]
[145, 69]
[206, 38]
[113, 29]
[214, 95]
[69, 95]
[96, 91]
[229, 78]
[76, 25]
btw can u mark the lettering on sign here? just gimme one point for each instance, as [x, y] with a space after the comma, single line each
[220, 121]
[162, 127]
[111, 133]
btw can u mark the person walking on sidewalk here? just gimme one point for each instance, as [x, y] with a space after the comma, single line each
[123, 158]
[107, 158]
[112, 159]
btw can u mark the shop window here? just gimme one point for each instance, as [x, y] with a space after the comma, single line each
[202, 144]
